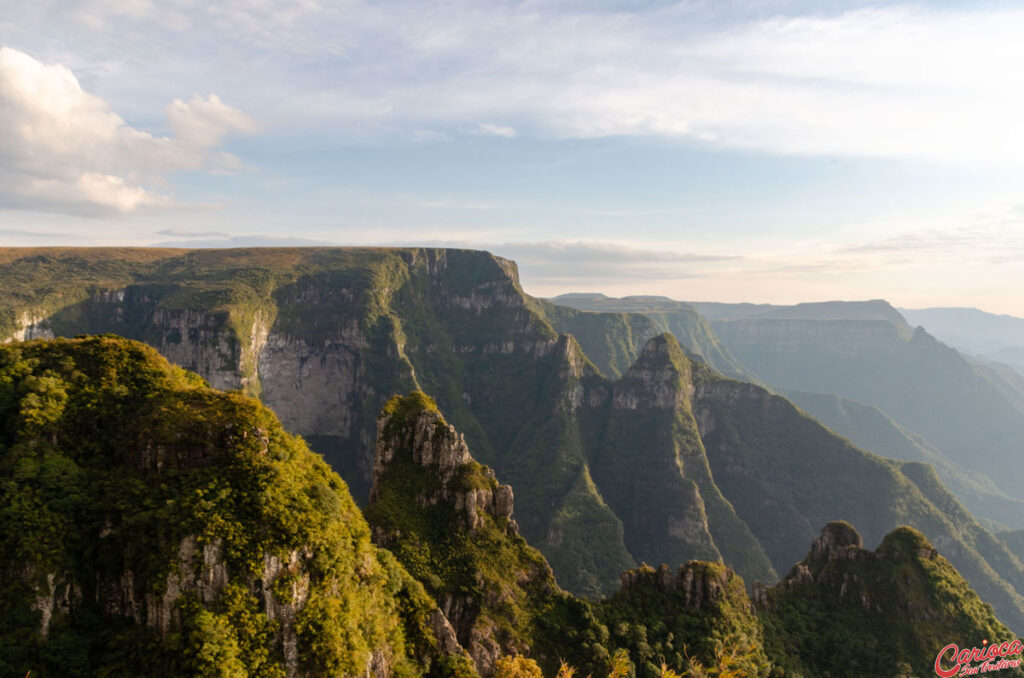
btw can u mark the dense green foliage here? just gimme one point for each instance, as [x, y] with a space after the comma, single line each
[127, 481]
[674, 619]
[888, 612]
[720, 468]
[498, 585]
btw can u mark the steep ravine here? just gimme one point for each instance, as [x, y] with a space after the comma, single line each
[667, 463]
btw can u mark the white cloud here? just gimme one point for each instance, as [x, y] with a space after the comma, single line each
[63, 149]
[908, 81]
[497, 130]
[202, 123]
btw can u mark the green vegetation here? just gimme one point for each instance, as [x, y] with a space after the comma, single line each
[870, 429]
[127, 483]
[673, 620]
[668, 462]
[1014, 540]
[152, 525]
[853, 612]
[680, 514]
[921, 384]
[617, 328]
[496, 586]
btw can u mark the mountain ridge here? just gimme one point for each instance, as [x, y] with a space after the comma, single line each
[326, 336]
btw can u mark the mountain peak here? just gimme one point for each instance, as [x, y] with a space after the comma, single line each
[662, 350]
[906, 543]
[659, 378]
[416, 444]
[448, 521]
[837, 534]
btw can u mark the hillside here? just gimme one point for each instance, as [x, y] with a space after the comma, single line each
[570, 312]
[870, 429]
[449, 522]
[669, 462]
[847, 611]
[154, 526]
[971, 414]
[922, 384]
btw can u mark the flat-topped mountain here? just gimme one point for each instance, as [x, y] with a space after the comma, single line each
[153, 525]
[647, 454]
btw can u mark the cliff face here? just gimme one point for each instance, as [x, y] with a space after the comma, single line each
[695, 616]
[324, 337]
[449, 521]
[151, 524]
[442, 454]
[652, 468]
[861, 611]
[922, 384]
[667, 463]
[841, 359]
[645, 317]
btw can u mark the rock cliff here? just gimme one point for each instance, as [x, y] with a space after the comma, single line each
[153, 525]
[667, 462]
[449, 521]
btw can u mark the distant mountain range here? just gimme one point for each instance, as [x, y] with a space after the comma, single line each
[990, 337]
[155, 526]
[632, 430]
[864, 371]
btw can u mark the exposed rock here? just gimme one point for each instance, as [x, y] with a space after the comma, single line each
[483, 576]
[701, 584]
[30, 326]
[838, 541]
[657, 380]
[436, 446]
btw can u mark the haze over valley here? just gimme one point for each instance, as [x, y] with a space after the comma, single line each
[506, 339]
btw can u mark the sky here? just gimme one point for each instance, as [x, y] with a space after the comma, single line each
[708, 150]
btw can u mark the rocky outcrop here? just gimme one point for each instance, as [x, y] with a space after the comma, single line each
[449, 521]
[658, 380]
[441, 451]
[904, 600]
[652, 441]
[838, 541]
[183, 521]
[698, 585]
[30, 325]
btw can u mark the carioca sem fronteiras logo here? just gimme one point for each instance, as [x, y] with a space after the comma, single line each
[952, 661]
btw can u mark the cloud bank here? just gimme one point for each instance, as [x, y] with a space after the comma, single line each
[63, 149]
[906, 81]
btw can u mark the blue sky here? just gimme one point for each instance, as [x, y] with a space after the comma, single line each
[735, 151]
